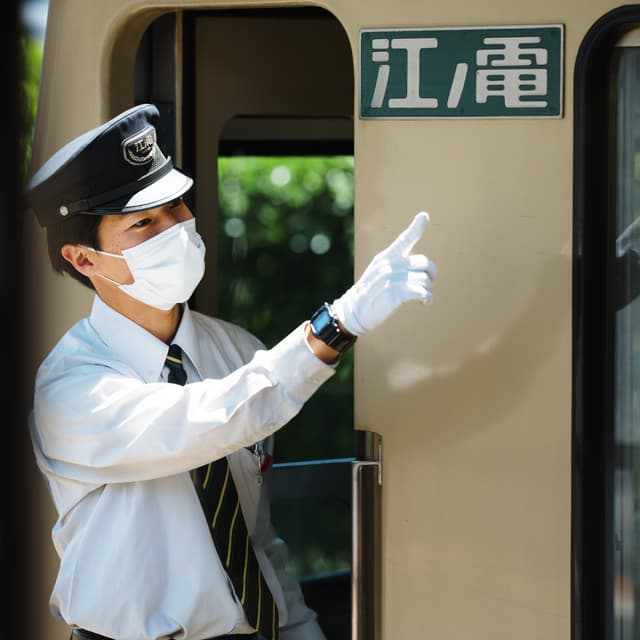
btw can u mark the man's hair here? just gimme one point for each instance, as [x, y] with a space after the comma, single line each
[79, 229]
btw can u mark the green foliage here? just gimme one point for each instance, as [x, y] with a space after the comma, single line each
[31, 50]
[286, 238]
[286, 246]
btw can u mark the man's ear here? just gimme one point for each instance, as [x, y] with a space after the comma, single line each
[80, 258]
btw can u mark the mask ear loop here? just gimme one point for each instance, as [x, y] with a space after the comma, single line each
[111, 255]
[103, 253]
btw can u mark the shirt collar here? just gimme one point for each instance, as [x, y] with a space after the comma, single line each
[137, 347]
[187, 340]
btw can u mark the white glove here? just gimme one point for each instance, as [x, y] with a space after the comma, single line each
[392, 278]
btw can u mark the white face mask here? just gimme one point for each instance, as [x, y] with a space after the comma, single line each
[166, 268]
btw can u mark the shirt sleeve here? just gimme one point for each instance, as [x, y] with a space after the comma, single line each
[94, 423]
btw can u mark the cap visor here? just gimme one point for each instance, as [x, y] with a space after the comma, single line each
[168, 188]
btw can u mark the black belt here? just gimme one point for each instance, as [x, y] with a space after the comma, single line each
[89, 635]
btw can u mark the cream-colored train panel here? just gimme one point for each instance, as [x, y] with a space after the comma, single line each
[471, 394]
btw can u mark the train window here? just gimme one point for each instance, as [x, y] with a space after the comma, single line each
[626, 346]
[285, 242]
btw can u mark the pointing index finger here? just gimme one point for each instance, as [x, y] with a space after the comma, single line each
[407, 239]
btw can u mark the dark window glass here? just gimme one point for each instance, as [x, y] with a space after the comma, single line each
[626, 285]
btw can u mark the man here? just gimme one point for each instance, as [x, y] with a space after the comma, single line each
[148, 415]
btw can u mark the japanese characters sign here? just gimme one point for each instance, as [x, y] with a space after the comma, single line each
[476, 72]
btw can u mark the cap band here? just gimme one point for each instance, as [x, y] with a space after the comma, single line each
[131, 187]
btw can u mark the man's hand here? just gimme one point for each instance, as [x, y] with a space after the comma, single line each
[393, 277]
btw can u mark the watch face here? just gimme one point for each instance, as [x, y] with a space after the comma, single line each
[321, 319]
[325, 328]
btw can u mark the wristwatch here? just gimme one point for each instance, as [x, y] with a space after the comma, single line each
[325, 327]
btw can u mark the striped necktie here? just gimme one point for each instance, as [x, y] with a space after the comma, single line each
[177, 374]
[219, 498]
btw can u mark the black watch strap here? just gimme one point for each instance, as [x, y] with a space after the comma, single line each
[325, 327]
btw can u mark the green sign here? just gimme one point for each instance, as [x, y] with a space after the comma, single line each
[474, 72]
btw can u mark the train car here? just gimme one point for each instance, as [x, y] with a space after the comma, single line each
[480, 479]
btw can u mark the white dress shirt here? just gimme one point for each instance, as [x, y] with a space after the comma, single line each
[116, 444]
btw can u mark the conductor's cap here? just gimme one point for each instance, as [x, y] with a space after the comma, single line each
[116, 168]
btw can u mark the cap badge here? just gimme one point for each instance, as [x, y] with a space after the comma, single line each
[140, 147]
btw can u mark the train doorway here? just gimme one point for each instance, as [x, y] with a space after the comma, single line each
[270, 95]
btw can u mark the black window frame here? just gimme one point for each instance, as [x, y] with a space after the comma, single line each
[593, 455]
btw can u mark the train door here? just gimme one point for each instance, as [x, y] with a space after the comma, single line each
[267, 107]
[272, 102]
